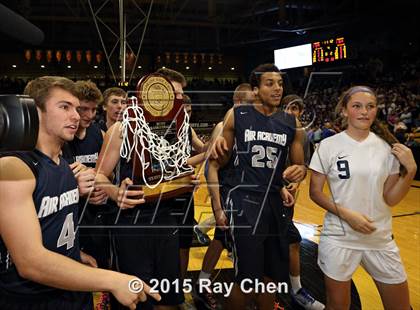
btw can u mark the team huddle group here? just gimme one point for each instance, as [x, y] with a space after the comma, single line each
[254, 162]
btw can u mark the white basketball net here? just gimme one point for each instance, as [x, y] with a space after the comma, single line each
[172, 158]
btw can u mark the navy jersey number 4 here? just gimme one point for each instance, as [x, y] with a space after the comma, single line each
[67, 234]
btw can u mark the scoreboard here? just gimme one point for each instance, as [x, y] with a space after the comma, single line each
[329, 50]
[325, 51]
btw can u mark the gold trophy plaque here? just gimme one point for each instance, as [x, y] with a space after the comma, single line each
[163, 131]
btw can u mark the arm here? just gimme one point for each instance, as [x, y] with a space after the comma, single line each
[318, 196]
[287, 197]
[197, 144]
[227, 138]
[297, 171]
[24, 241]
[107, 161]
[356, 220]
[98, 196]
[214, 166]
[217, 131]
[219, 143]
[197, 159]
[396, 186]
[214, 191]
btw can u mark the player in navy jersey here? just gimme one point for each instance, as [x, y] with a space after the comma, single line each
[114, 104]
[222, 240]
[293, 104]
[184, 204]
[84, 149]
[87, 142]
[151, 228]
[40, 260]
[263, 136]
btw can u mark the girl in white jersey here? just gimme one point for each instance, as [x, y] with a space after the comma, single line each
[362, 165]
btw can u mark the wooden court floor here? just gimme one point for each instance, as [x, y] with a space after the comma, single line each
[309, 217]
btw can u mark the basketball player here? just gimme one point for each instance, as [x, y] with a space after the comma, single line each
[87, 142]
[185, 203]
[366, 177]
[154, 230]
[40, 265]
[114, 104]
[242, 95]
[85, 148]
[293, 105]
[263, 135]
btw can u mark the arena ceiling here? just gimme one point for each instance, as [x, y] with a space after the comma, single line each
[206, 25]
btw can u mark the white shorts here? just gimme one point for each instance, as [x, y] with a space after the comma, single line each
[339, 263]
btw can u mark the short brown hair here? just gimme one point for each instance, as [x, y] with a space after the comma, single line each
[88, 91]
[240, 91]
[293, 99]
[113, 91]
[40, 88]
[173, 76]
[186, 99]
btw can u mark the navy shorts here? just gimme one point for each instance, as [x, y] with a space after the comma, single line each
[149, 249]
[293, 234]
[95, 241]
[183, 208]
[224, 237]
[259, 233]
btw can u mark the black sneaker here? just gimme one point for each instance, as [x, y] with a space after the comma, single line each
[201, 237]
[205, 299]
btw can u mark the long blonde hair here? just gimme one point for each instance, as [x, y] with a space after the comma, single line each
[378, 127]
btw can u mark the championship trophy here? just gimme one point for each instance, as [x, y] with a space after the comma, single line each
[155, 132]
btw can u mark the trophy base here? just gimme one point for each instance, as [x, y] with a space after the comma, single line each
[169, 189]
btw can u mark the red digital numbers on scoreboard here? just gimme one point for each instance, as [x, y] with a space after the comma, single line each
[329, 50]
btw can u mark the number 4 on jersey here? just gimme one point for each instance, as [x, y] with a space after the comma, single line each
[67, 234]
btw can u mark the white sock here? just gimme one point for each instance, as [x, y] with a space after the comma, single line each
[203, 275]
[295, 282]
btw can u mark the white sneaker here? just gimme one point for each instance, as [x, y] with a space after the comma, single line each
[305, 300]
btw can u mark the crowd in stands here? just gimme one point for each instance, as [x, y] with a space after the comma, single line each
[10, 85]
[398, 105]
[398, 90]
